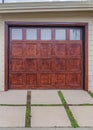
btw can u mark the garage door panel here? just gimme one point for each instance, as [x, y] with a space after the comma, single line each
[30, 50]
[74, 65]
[45, 50]
[17, 50]
[60, 78]
[18, 79]
[45, 65]
[45, 79]
[18, 87]
[74, 50]
[31, 79]
[59, 50]
[31, 65]
[17, 65]
[73, 79]
[60, 64]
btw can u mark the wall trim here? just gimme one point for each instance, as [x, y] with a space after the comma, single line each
[46, 6]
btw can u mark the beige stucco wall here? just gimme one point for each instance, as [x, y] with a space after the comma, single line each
[49, 17]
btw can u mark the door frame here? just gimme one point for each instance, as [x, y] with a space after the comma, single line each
[84, 27]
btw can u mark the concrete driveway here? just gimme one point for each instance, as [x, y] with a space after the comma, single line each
[46, 108]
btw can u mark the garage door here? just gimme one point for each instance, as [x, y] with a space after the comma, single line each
[45, 58]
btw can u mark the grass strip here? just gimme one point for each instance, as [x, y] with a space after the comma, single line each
[91, 94]
[28, 117]
[12, 104]
[28, 110]
[74, 123]
[46, 105]
[80, 104]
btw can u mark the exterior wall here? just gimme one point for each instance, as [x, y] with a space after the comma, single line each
[49, 17]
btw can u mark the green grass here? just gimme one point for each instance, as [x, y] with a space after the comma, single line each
[62, 98]
[12, 104]
[86, 104]
[28, 110]
[91, 94]
[28, 116]
[46, 105]
[74, 123]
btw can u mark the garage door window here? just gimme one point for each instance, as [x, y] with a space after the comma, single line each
[45, 34]
[74, 34]
[31, 34]
[60, 34]
[16, 34]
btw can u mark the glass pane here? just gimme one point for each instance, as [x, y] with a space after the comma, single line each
[60, 34]
[31, 34]
[74, 34]
[45, 34]
[17, 34]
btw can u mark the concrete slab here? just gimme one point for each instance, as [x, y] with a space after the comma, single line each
[12, 116]
[82, 128]
[46, 128]
[13, 97]
[49, 117]
[45, 97]
[77, 97]
[83, 115]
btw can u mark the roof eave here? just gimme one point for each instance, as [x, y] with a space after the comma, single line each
[46, 7]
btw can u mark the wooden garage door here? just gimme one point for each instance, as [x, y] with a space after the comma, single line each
[45, 58]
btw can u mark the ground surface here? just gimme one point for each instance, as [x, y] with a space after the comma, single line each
[45, 108]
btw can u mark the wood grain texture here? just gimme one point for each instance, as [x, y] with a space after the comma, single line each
[51, 65]
[46, 64]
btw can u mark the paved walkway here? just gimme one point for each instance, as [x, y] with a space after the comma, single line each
[47, 109]
[46, 129]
